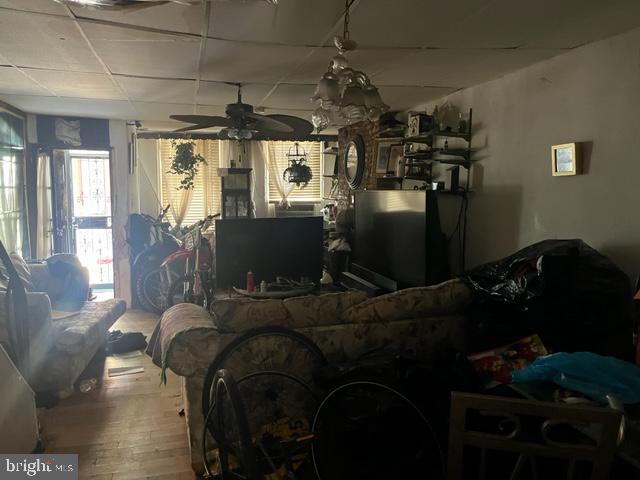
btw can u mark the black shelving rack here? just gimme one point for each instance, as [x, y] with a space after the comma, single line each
[450, 156]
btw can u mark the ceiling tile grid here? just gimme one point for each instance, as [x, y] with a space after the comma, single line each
[143, 63]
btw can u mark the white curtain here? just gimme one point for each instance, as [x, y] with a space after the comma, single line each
[276, 166]
[10, 205]
[44, 240]
[259, 154]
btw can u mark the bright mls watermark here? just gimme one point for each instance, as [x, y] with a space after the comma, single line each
[43, 466]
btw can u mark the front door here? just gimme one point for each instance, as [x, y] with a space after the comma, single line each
[83, 212]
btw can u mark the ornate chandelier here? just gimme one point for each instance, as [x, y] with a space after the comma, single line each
[345, 95]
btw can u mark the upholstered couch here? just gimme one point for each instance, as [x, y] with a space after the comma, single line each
[344, 325]
[64, 330]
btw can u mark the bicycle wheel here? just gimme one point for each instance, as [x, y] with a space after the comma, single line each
[181, 290]
[233, 434]
[278, 408]
[149, 291]
[271, 348]
[368, 429]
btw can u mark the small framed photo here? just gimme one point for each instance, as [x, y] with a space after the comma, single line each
[564, 159]
[382, 160]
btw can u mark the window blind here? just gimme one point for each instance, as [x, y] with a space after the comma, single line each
[312, 192]
[205, 195]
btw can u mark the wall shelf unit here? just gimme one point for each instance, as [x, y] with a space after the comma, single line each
[437, 151]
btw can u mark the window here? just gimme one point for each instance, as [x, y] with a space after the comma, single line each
[312, 192]
[204, 199]
[12, 186]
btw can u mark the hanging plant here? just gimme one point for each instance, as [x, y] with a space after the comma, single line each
[185, 163]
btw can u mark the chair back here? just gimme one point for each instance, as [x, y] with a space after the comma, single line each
[526, 429]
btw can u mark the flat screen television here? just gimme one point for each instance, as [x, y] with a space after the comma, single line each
[398, 236]
[268, 247]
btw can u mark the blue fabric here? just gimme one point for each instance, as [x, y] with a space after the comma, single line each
[592, 375]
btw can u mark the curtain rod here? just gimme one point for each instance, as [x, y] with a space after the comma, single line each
[214, 136]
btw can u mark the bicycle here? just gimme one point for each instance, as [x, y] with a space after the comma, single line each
[197, 284]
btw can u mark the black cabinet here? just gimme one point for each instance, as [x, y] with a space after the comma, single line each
[236, 192]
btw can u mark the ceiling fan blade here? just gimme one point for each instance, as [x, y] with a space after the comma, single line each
[214, 121]
[262, 122]
[299, 125]
[198, 126]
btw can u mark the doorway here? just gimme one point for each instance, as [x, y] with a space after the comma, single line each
[82, 213]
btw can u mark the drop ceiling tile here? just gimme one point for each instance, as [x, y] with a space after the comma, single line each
[215, 93]
[291, 22]
[161, 111]
[404, 98]
[210, 110]
[514, 23]
[14, 82]
[170, 16]
[457, 68]
[589, 21]
[80, 107]
[43, 41]
[41, 6]
[242, 62]
[134, 52]
[291, 96]
[366, 60]
[79, 85]
[409, 23]
[157, 90]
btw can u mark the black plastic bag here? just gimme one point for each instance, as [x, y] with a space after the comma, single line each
[574, 297]
[119, 342]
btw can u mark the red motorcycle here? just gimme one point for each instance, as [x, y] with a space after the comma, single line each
[196, 282]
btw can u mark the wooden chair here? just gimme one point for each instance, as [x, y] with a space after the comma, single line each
[599, 453]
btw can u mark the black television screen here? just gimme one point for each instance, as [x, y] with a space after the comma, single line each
[398, 236]
[268, 247]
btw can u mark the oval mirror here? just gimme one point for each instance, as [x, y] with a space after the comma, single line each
[354, 161]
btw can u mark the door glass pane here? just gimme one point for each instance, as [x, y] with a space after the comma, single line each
[91, 184]
[91, 201]
[95, 251]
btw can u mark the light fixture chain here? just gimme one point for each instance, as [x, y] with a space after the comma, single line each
[347, 4]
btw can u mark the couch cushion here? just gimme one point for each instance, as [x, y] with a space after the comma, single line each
[23, 270]
[446, 298]
[240, 314]
[327, 309]
[79, 331]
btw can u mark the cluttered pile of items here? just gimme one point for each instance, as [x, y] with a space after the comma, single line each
[549, 391]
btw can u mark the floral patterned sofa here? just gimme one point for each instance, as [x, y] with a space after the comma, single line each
[64, 333]
[345, 325]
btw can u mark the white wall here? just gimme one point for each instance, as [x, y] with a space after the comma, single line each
[121, 181]
[148, 177]
[589, 95]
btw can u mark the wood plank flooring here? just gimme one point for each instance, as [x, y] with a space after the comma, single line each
[128, 428]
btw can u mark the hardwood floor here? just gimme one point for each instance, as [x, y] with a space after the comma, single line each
[127, 428]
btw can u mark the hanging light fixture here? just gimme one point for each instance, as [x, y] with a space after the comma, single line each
[298, 171]
[345, 95]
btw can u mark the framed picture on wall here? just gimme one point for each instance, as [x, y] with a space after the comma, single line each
[396, 160]
[564, 160]
[382, 159]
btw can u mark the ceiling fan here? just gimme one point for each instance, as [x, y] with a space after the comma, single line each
[242, 123]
